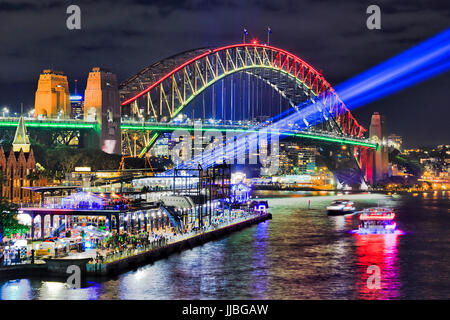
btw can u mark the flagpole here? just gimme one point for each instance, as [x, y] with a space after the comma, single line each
[268, 35]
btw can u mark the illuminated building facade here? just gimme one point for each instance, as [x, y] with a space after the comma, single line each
[52, 95]
[396, 141]
[101, 104]
[306, 160]
[377, 134]
[161, 147]
[76, 104]
[295, 159]
[19, 169]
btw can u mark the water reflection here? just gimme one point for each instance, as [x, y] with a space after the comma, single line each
[260, 268]
[300, 254]
[16, 290]
[379, 250]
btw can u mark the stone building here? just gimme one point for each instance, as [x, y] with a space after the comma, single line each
[17, 169]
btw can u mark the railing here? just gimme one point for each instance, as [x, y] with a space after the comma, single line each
[59, 206]
[216, 124]
[240, 126]
[47, 120]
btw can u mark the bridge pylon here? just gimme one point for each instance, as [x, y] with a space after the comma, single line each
[102, 104]
[378, 134]
[52, 95]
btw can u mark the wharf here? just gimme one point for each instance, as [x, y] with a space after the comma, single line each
[57, 267]
[142, 258]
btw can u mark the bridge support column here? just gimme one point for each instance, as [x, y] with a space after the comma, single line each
[116, 217]
[139, 221]
[109, 217]
[133, 222]
[42, 225]
[125, 222]
[32, 225]
[51, 224]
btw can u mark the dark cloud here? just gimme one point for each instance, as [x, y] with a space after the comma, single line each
[127, 35]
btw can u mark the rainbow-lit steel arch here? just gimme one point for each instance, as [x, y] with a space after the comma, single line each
[166, 87]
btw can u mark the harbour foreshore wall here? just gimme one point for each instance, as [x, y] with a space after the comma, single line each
[135, 261]
[58, 267]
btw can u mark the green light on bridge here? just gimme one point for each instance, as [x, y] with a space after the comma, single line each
[50, 125]
[300, 135]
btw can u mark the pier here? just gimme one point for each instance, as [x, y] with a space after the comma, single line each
[130, 259]
[137, 257]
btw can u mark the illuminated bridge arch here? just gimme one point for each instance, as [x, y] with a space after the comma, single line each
[165, 88]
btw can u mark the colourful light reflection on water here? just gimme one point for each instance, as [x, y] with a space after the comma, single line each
[380, 250]
[260, 271]
[15, 290]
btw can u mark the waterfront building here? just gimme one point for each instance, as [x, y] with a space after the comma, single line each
[52, 95]
[306, 160]
[295, 159]
[395, 141]
[161, 147]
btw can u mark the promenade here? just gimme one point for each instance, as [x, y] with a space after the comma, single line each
[161, 247]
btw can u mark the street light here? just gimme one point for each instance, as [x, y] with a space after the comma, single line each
[5, 111]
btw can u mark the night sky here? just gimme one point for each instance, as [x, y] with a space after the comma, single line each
[127, 35]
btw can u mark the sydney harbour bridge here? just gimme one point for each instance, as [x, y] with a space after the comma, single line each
[235, 89]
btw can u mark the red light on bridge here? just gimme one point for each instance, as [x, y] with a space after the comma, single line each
[255, 41]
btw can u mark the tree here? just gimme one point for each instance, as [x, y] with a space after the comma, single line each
[33, 177]
[9, 224]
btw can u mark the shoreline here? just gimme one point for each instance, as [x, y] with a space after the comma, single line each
[273, 188]
[56, 268]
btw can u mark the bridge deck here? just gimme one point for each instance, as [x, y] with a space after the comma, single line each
[72, 124]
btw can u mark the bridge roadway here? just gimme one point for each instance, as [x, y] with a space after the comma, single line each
[237, 127]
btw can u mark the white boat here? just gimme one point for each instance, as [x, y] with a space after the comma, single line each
[341, 206]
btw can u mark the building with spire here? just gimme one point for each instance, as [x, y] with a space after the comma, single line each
[18, 169]
[21, 140]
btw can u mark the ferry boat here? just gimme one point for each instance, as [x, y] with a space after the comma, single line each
[341, 206]
[377, 220]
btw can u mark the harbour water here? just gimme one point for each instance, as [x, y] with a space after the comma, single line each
[302, 253]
